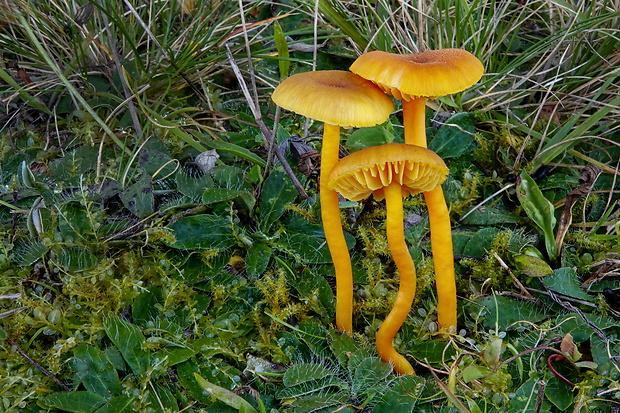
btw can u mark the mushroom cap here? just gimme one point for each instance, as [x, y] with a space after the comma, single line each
[334, 96]
[427, 74]
[370, 170]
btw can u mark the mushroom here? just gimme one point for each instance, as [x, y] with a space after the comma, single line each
[414, 78]
[337, 98]
[392, 171]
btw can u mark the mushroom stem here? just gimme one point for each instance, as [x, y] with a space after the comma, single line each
[443, 257]
[414, 121]
[407, 288]
[334, 235]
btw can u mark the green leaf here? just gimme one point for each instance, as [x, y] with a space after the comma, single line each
[138, 198]
[77, 401]
[559, 393]
[129, 341]
[257, 259]
[370, 375]
[215, 195]
[202, 232]
[475, 372]
[233, 400]
[162, 399]
[93, 368]
[565, 281]
[191, 186]
[403, 396]
[118, 404]
[278, 191]
[282, 48]
[506, 312]
[480, 242]
[532, 266]
[455, 137]
[539, 209]
[304, 372]
[367, 137]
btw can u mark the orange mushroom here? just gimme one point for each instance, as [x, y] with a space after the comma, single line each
[392, 171]
[337, 98]
[415, 78]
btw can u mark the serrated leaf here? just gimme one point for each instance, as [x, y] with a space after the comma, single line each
[77, 401]
[93, 368]
[129, 341]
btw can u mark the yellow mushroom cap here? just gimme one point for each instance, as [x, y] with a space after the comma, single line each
[427, 74]
[369, 170]
[334, 96]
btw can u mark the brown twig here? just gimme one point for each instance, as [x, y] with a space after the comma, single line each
[37, 365]
[268, 137]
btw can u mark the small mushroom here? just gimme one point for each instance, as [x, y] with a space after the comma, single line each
[337, 98]
[415, 78]
[392, 171]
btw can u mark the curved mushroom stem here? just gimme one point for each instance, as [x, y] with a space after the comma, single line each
[334, 235]
[414, 122]
[407, 289]
[443, 257]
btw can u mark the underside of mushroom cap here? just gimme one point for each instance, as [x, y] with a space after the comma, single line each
[369, 170]
[334, 96]
[427, 74]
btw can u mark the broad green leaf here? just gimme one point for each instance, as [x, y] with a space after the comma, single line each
[93, 368]
[506, 312]
[191, 186]
[490, 216]
[145, 308]
[342, 345]
[138, 198]
[118, 404]
[278, 191]
[480, 242]
[162, 399]
[565, 281]
[225, 395]
[539, 209]
[367, 137]
[171, 356]
[303, 372]
[215, 195]
[77, 401]
[403, 396]
[325, 384]
[157, 164]
[129, 341]
[475, 372]
[202, 232]
[559, 393]
[370, 375]
[76, 259]
[257, 259]
[525, 398]
[455, 137]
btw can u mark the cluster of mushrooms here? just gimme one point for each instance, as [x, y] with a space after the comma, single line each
[392, 171]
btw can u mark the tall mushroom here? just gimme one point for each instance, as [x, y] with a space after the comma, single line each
[392, 171]
[337, 98]
[415, 78]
